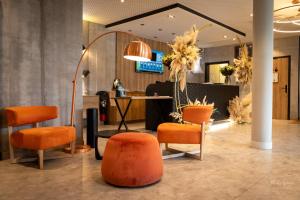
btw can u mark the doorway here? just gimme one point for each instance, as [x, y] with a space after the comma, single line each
[281, 87]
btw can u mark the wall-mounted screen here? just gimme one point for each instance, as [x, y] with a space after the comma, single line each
[155, 65]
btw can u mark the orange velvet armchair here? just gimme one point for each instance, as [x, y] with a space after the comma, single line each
[192, 132]
[36, 138]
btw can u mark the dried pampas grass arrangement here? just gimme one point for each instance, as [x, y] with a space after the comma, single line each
[184, 55]
[240, 109]
[243, 64]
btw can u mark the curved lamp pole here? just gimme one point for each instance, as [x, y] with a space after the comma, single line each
[135, 50]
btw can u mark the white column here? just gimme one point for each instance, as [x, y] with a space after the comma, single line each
[262, 74]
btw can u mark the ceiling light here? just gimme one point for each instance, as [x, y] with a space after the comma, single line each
[296, 22]
[287, 18]
[155, 37]
[171, 16]
[142, 24]
[234, 39]
[251, 14]
[285, 31]
[159, 29]
[129, 30]
[122, 1]
[173, 33]
[225, 36]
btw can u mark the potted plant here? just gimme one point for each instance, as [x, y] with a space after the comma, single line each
[227, 71]
[167, 60]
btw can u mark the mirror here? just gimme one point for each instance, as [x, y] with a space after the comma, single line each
[212, 72]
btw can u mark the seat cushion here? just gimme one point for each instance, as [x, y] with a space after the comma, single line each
[132, 160]
[43, 137]
[179, 133]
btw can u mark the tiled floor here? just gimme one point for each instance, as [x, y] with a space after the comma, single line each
[230, 170]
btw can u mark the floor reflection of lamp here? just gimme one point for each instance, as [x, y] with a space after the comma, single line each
[135, 50]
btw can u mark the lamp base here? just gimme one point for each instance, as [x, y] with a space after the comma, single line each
[79, 149]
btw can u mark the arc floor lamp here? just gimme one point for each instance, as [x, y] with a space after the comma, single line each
[136, 50]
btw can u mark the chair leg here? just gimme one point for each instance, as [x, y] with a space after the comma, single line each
[201, 151]
[161, 148]
[41, 159]
[166, 146]
[72, 146]
[12, 154]
[202, 140]
[11, 148]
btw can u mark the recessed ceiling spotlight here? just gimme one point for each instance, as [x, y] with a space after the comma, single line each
[129, 30]
[251, 14]
[122, 1]
[225, 36]
[155, 37]
[142, 24]
[234, 39]
[171, 16]
[159, 29]
[173, 33]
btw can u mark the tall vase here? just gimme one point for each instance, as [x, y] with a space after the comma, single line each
[227, 80]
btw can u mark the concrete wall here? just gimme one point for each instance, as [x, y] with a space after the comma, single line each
[282, 47]
[40, 44]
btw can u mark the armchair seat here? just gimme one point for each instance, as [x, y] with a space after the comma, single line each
[179, 133]
[43, 137]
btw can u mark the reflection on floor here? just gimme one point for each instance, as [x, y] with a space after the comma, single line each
[230, 170]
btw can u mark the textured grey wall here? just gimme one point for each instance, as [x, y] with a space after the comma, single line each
[282, 47]
[40, 46]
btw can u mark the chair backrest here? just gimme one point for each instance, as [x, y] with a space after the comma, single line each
[21, 115]
[197, 114]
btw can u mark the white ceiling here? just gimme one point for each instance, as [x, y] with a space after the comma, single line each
[235, 13]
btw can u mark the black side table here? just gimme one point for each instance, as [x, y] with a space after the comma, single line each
[103, 134]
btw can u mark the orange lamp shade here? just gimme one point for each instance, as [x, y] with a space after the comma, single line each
[138, 51]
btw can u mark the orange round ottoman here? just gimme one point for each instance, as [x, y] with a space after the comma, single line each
[132, 160]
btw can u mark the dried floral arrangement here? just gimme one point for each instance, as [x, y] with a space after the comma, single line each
[240, 109]
[184, 55]
[243, 66]
[182, 59]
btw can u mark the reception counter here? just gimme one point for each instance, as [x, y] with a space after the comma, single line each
[158, 112]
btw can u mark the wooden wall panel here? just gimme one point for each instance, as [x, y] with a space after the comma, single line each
[125, 69]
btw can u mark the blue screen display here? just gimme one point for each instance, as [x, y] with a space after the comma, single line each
[155, 65]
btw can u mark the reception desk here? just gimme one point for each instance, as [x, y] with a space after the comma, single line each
[158, 112]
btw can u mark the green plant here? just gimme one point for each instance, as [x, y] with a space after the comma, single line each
[167, 60]
[227, 70]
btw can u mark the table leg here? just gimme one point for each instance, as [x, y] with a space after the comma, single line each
[123, 115]
[97, 154]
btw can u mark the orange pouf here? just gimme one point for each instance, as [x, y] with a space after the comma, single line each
[132, 160]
